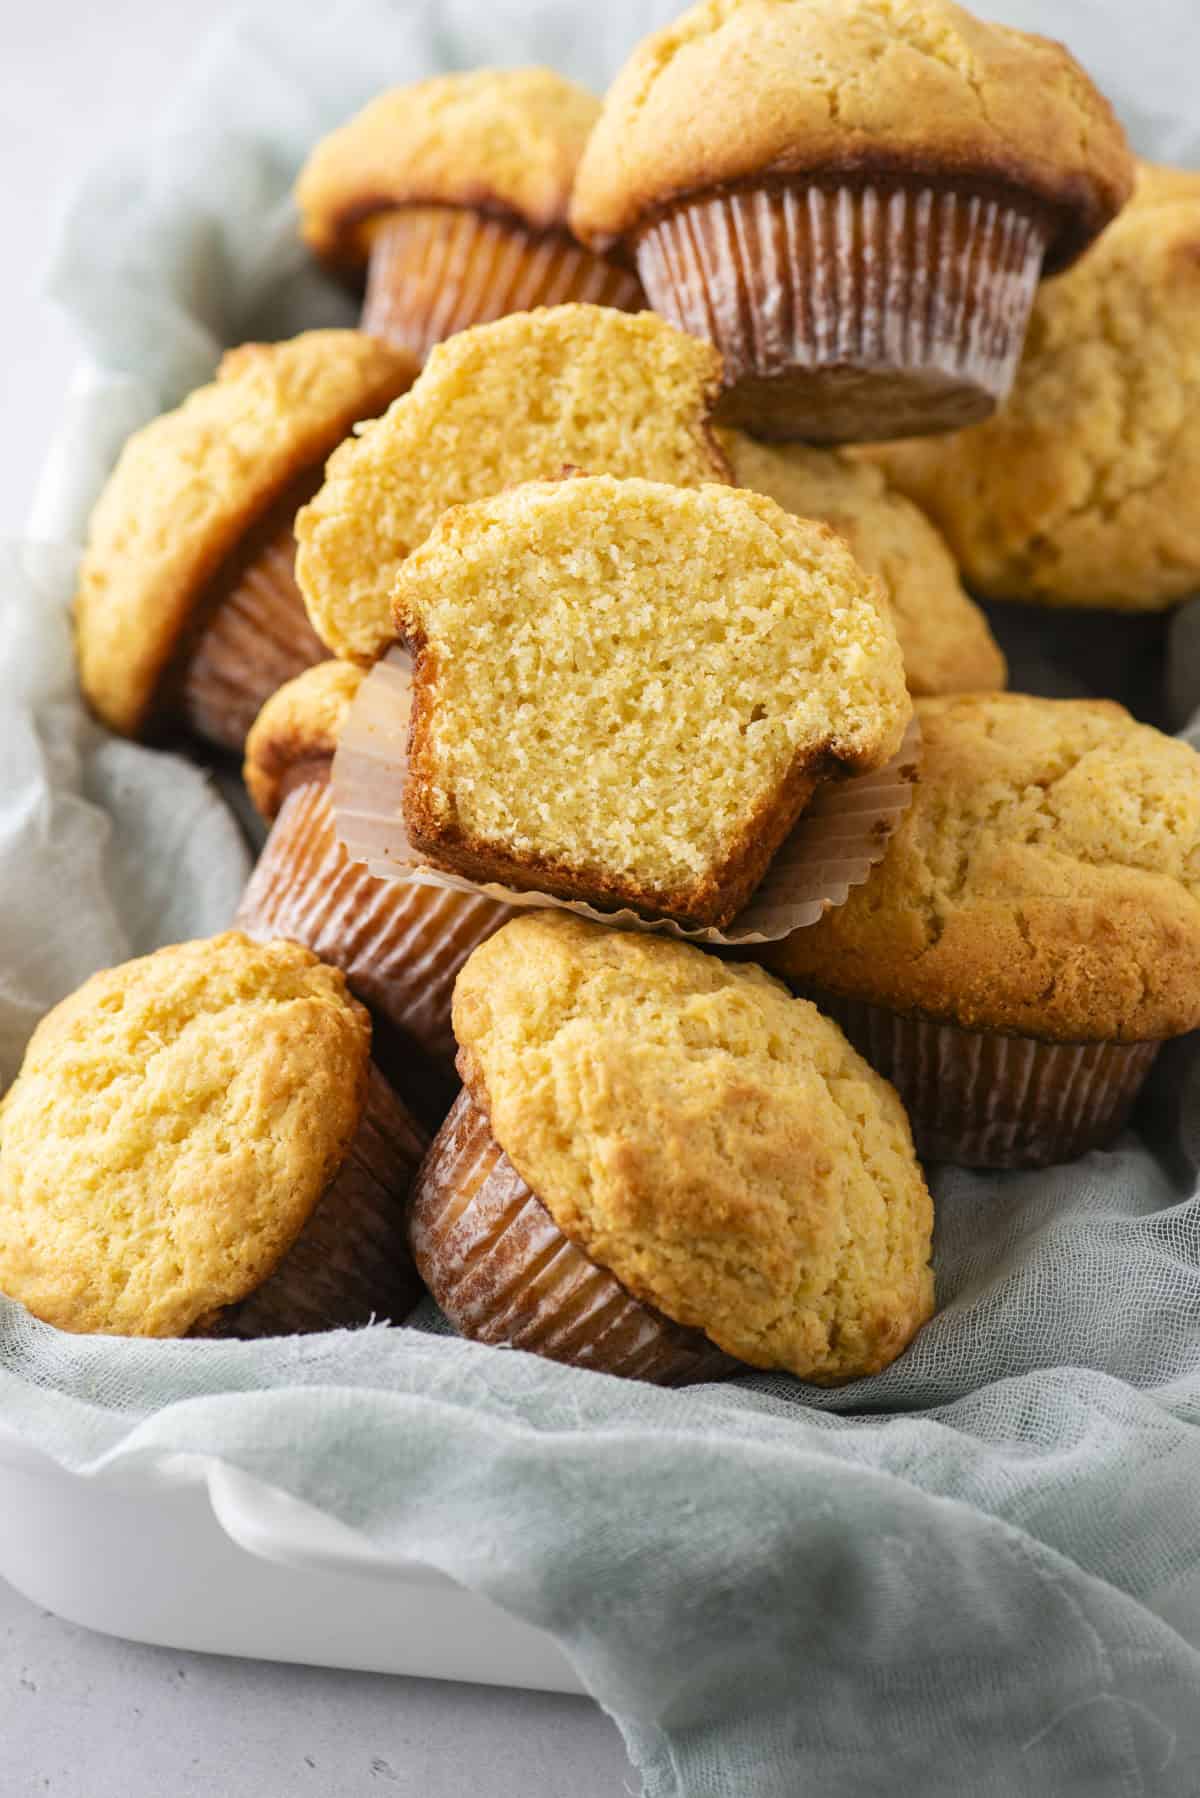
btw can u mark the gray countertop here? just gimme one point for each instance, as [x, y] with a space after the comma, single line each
[83, 1716]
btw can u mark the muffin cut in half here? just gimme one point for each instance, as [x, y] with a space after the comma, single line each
[453, 192]
[662, 1166]
[626, 693]
[399, 944]
[1032, 934]
[520, 400]
[197, 1144]
[188, 615]
[947, 645]
[854, 199]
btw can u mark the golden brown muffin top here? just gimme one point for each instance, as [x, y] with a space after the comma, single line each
[188, 487]
[519, 400]
[713, 1142]
[1046, 880]
[620, 685]
[172, 1127]
[501, 140]
[947, 645]
[742, 90]
[1081, 490]
[301, 722]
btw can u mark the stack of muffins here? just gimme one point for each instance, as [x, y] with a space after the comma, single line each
[546, 593]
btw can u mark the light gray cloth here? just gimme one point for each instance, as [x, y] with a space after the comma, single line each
[978, 1573]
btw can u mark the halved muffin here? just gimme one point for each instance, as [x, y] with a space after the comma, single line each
[521, 400]
[626, 693]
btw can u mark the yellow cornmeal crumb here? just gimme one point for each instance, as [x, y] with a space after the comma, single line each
[189, 486]
[302, 720]
[947, 645]
[737, 89]
[625, 691]
[172, 1127]
[713, 1142]
[1081, 491]
[518, 400]
[1046, 879]
[507, 139]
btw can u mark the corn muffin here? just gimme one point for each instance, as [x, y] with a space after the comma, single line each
[1032, 934]
[853, 198]
[399, 944]
[453, 193]
[944, 636]
[197, 1144]
[188, 614]
[626, 693]
[520, 400]
[662, 1165]
[1082, 490]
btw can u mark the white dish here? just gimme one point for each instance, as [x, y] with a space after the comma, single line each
[190, 1553]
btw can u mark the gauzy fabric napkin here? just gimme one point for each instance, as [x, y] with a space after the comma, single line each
[976, 1573]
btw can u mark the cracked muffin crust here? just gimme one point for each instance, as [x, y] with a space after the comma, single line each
[177, 1125]
[1081, 491]
[711, 1141]
[736, 90]
[853, 199]
[454, 193]
[1046, 880]
[944, 636]
[189, 488]
[505, 140]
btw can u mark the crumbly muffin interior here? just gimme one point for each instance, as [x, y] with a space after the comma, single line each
[624, 675]
[519, 400]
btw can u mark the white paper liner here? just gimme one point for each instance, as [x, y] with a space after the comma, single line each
[840, 838]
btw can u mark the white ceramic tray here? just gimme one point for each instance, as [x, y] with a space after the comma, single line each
[191, 1553]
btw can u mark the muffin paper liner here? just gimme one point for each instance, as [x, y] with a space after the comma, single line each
[840, 838]
[436, 270]
[981, 1099]
[852, 313]
[351, 1263]
[504, 1273]
[400, 945]
[255, 635]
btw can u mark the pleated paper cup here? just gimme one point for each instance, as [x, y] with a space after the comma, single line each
[351, 1263]
[851, 313]
[252, 633]
[842, 835]
[399, 945]
[981, 1099]
[504, 1273]
[435, 270]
